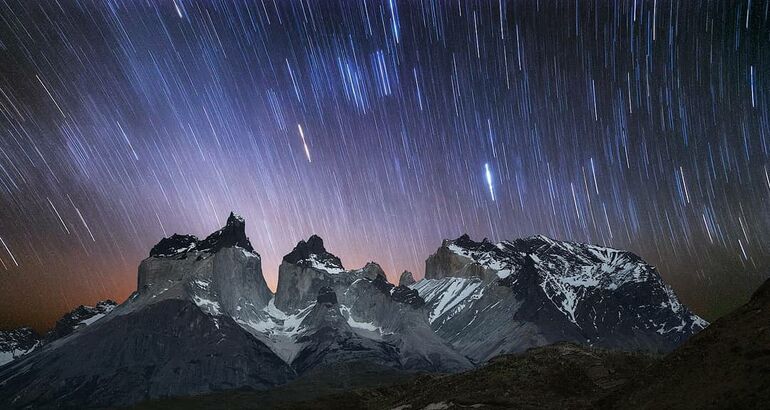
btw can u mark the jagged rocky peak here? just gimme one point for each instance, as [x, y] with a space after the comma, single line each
[231, 235]
[400, 293]
[465, 241]
[22, 341]
[313, 254]
[304, 271]
[78, 318]
[406, 279]
[372, 270]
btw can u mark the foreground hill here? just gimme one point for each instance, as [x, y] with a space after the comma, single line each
[726, 365]
[564, 375]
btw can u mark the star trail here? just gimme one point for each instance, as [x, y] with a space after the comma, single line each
[384, 127]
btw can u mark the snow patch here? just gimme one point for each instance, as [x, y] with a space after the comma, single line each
[437, 406]
[324, 266]
[247, 253]
[369, 326]
[210, 305]
[92, 319]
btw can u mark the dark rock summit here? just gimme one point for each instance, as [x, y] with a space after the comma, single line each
[174, 245]
[310, 251]
[406, 279]
[304, 271]
[231, 235]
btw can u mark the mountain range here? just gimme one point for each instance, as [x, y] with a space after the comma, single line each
[203, 319]
[19, 342]
[724, 366]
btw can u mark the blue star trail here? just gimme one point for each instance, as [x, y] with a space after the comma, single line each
[384, 127]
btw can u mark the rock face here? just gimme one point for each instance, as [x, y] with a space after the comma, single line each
[724, 366]
[17, 343]
[327, 296]
[535, 291]
[304, 271]
[222, 273]
[395, 314]
[327, 338]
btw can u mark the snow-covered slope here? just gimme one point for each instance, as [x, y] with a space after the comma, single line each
[517, 294]
[16, 343]
[22, 341]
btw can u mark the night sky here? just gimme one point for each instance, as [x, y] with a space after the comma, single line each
[383, 127]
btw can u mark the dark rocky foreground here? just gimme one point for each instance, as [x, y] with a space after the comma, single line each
[145, 354]
[558, 376]
[725, 366]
